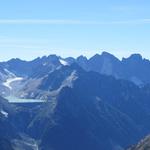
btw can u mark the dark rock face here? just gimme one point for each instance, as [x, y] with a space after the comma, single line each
[87, 123]
[5, 145]
[7, 130]
[14, 121]
[92, 114]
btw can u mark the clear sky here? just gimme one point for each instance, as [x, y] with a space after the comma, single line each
[31, 28]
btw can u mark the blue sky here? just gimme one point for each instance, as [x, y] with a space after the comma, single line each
[34, 28]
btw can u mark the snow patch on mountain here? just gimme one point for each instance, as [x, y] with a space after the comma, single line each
[63, 62]
[44, 64]
[9, 81]
[4, 113]
[12, 99]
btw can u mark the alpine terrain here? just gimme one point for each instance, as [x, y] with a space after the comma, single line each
[55, 103]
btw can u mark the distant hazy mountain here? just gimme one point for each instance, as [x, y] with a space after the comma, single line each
[134, 68]
[31, 68]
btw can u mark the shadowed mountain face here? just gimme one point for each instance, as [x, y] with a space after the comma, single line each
[5, 144]
[14, 121]
[88, 123]
[7, 130]
[91, 114]
[5, 110]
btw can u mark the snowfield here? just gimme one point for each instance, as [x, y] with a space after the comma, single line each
[9, 81]
[63, 62]
[12, 99]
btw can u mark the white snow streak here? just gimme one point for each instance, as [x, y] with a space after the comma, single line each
[4, 113]
[8, 82]
[63, 62]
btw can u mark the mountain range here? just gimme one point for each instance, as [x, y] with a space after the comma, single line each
[101, 103]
